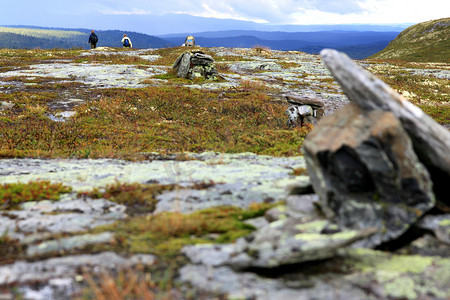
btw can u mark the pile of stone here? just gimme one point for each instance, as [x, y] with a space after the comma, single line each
[379, 169]
[303, 109]
[195, 64]
[380, 162]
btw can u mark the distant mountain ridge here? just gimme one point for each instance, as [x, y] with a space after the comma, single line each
[357, 44]
[423, 42]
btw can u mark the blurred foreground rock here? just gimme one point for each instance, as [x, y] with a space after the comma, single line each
[364, 169]
[380, 161]
[431, 142]
[374, 187]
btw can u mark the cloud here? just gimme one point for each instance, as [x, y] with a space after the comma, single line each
[260, 11]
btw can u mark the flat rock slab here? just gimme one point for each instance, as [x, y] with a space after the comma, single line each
[95, 75]
[439, 225]
[58, 274]
[238, 179]
[280, 243]
[370, 275]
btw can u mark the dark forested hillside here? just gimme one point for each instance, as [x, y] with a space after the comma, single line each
[29, 38]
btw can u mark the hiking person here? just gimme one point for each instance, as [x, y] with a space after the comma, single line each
[189, 42]
[126, 42]
[93, 39]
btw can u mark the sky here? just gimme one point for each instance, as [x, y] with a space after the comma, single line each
[106, 14]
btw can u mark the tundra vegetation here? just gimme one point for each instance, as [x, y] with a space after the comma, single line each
[165, 118]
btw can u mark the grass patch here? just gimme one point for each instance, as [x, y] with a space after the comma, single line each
[13, 194]
[23, 57]
[122, 123]
[166, 233]
[112, 59]
[427, 92]
[9, 249]
[139, 198]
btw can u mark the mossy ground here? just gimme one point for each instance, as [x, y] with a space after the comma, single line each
[13, 194]
[431, 94]
[423, 42]
[162, 234]
[122, 123]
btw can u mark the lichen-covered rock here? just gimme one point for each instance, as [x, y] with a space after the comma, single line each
[363, 167]
[439, 225]
[245, 66]
[352, 274]
[283, 242]
[68, 266]
[400, 276]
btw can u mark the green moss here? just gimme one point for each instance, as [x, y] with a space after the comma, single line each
[391, 263]
[312, 227]
[401, 276]
[166, 233]
[444, 223]
[123, 123]
[402, 288]
[13, 194]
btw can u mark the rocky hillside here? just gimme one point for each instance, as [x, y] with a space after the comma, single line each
[120, 180]
[423, 42]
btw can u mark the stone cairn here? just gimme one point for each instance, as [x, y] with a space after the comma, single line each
[303, 109]
[195, 64]
[380, 162]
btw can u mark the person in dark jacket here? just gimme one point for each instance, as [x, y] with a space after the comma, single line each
[93, 39]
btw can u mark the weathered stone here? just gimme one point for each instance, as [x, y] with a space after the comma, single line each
[248, 285]
[293, 241]
[363, 167]
[303, 109]
[41, 271]
[305, 204]
[301, 99]
[6, 105]
[365, 274]
[431, 141]
[427, 245]
[183, 65]
[284, 242]
[195, 65]
[68, 244]
[245, 66]
[439, 225]
[276, 213]
[399, 276]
